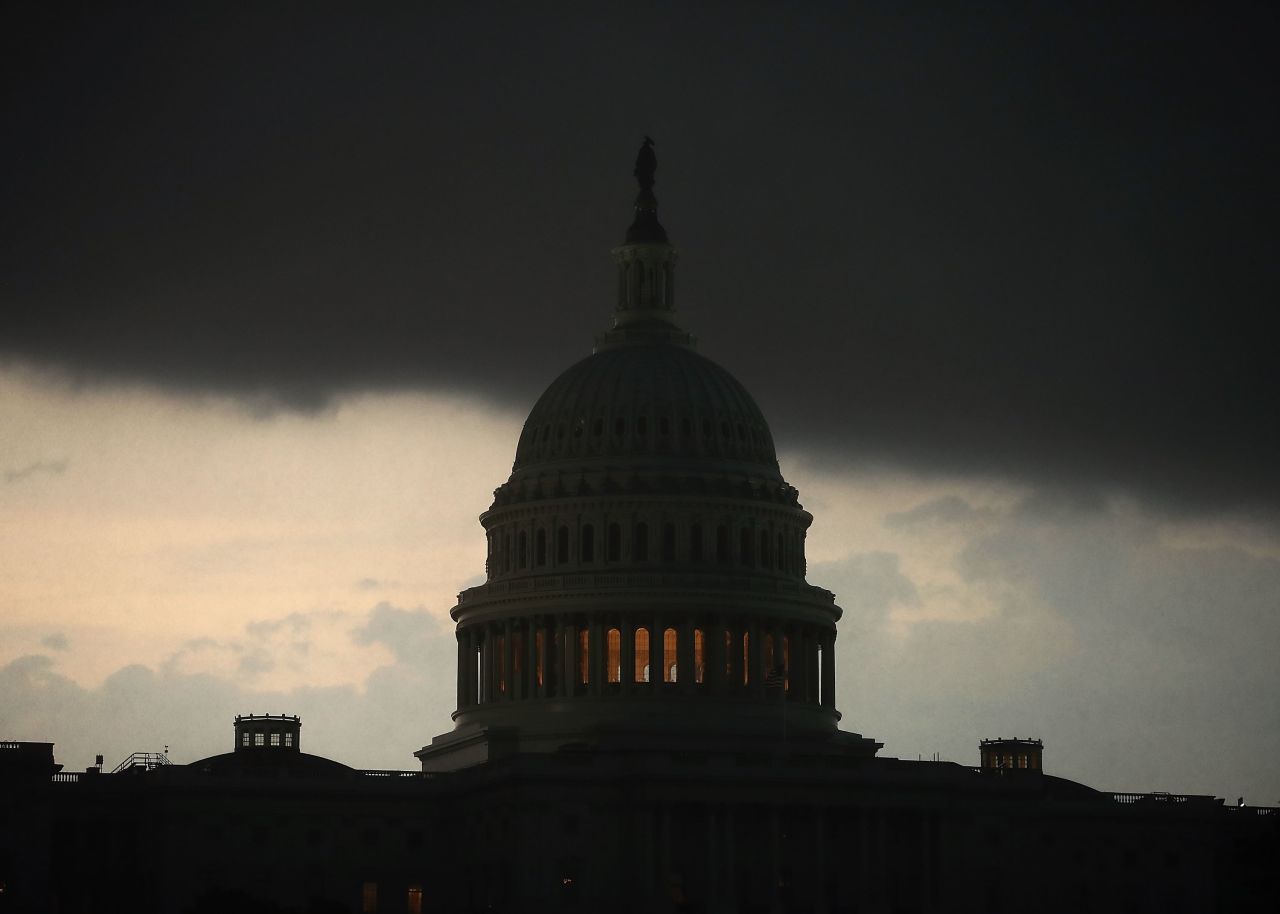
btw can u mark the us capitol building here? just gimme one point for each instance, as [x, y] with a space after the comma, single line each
[645, 720]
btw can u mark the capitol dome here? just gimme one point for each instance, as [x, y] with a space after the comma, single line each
[645, 570]
[657, 400]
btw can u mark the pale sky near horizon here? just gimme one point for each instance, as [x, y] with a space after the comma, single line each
[169, 562]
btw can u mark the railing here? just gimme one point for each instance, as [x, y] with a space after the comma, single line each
[589, 581]
[391, 773]
[67, 777]
[146, 760]
[1160, 797]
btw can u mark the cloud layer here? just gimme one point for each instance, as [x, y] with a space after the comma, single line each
[1030, 244]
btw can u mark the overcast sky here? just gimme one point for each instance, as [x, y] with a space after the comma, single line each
[280, 284]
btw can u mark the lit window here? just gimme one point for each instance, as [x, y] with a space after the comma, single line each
[288, 740]
[669, 655]
[369, 898]
[259, 739]
[414, 903]
[538, 645]
[614, 664]
[584, 656]
[699, 664]
[275, 739]
[746, 658]
[642, 655]
[244, 739]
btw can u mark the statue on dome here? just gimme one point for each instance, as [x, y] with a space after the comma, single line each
[646, 165]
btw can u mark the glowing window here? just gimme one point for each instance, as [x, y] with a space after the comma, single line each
[584, 656]
[641, 672]
[275, 739]
[413, 904]
[669, 662]
[244, 739]
[259, 739]
[539, 644]
[288, 740]
[699, 663]
[746, 661]
[614, 646]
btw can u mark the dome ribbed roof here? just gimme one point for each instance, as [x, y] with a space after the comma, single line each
[646, 399]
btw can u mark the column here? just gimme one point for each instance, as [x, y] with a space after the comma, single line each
[572, 674]
[687, 672]
[531, 653]
[462, 669]
[716, 656]
[755, 658]
[555, 658]
[508, 654]
[829, 670]
[628, 658]
[656, 662]
[595, 657]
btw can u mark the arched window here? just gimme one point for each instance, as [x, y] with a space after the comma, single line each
[640, 546]
[615, 543]
[540, 547]
[695, 543]
[613, 646]
[641, 671]
[669, 658]
[588, 543]
[506, 552]
[562, 546]
[722, 545]
[782, 552]
[765, 561]
[668, 542]
[523, 556]
[699, 656]
[744, 547]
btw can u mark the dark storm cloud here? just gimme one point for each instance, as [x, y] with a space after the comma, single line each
[1034, 242]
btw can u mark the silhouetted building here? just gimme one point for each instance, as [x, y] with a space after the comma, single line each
[645, 720]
